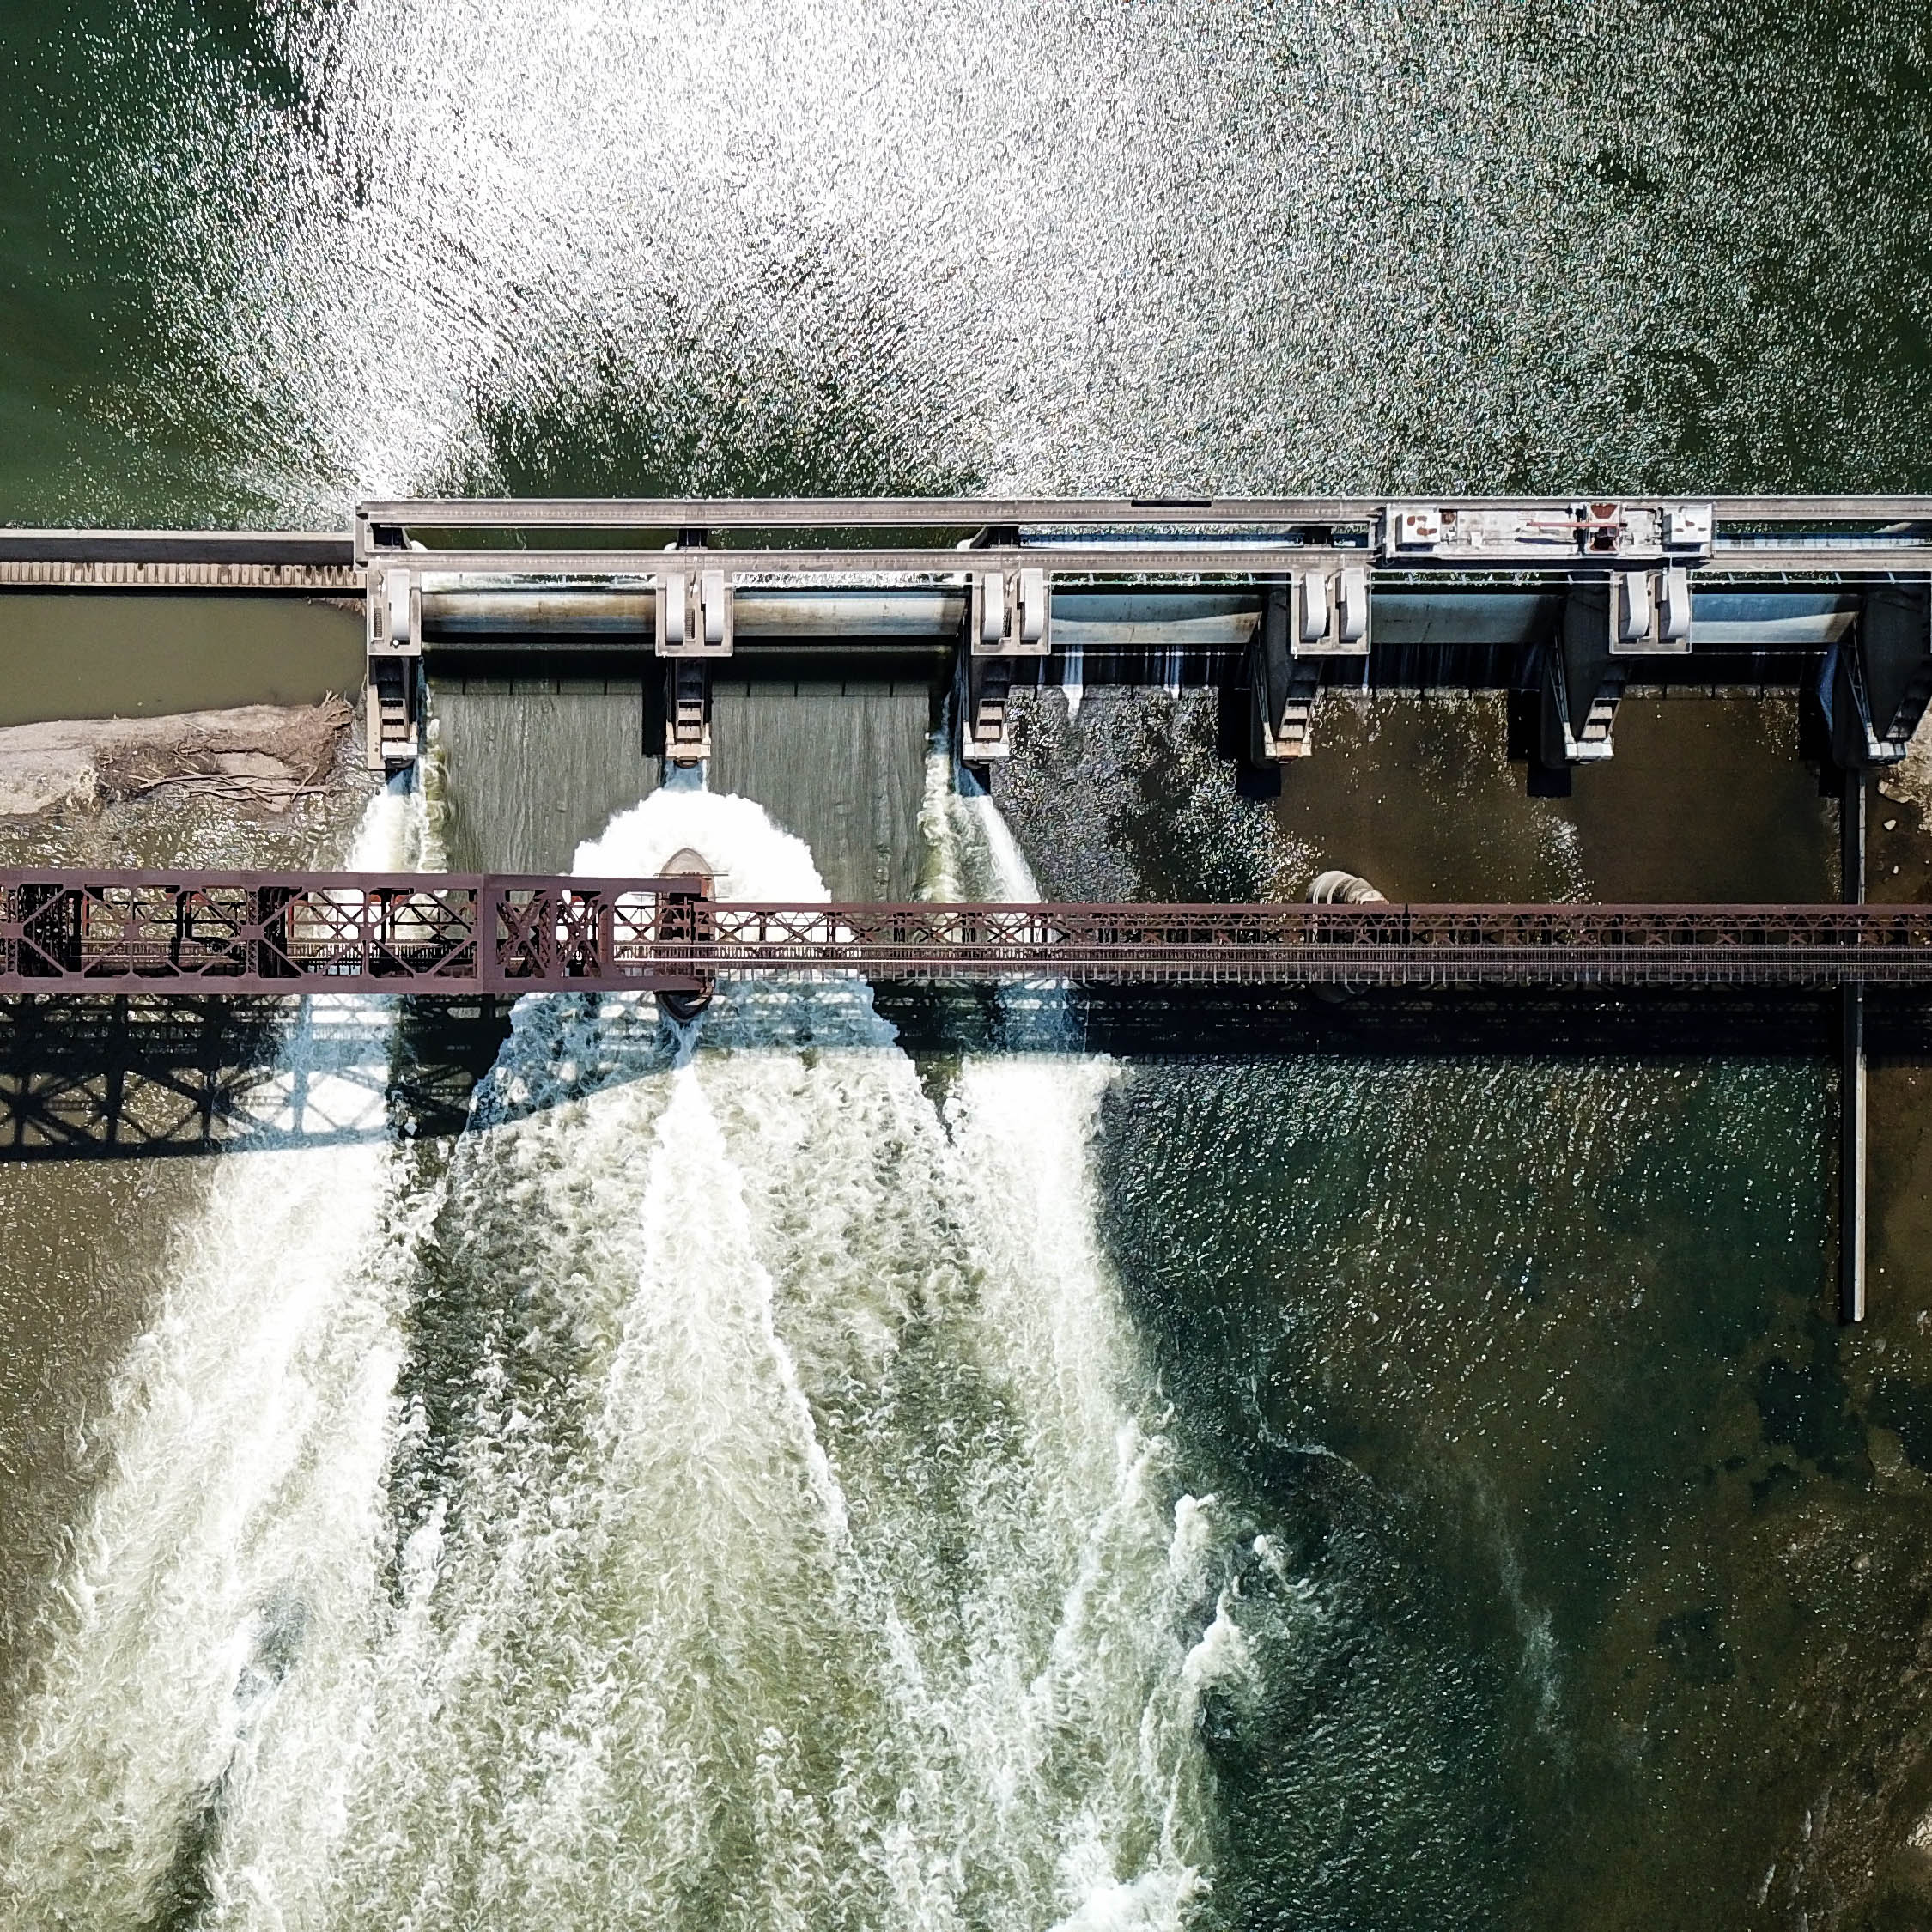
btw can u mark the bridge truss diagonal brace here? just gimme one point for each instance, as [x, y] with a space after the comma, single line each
[199, 933]
[392, 680]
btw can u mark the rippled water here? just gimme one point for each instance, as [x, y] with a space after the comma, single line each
[268, 257]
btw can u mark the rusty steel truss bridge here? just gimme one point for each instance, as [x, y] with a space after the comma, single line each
[457, 935]
[176, 937]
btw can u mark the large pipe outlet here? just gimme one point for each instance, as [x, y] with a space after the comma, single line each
[1343, 889]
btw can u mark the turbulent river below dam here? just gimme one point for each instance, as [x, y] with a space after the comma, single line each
[724, 1492]
[814, 1467]
[871, 1461]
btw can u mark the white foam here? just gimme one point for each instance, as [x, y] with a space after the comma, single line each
[788, 1522]
[1073, 678]
[751, 857]
[970, 850]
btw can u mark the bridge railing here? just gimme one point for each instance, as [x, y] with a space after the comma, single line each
[282, 932]
[1329, 944]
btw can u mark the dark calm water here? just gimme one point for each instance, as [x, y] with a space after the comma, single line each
[1566, 1567]
[1604, 1540]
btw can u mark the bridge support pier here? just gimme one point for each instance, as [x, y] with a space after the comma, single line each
[1582, 679]
[687, 712]
[1851, 1073]
[1285, 686]
[695, 622]
[1317, 613]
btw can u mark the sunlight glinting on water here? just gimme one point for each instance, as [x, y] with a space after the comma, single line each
[879, 248]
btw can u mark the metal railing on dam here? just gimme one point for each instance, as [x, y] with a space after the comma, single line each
[251, 932]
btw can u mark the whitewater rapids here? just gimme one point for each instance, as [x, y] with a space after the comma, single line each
[726, 1496]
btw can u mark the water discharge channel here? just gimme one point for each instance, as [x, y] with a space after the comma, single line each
[759, 1473]
[728, 1492]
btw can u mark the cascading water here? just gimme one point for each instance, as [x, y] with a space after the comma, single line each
[1073, 677]
[728, 1497]
[231, 1552]
[790, 1550]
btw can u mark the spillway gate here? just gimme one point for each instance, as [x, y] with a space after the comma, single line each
[1579, 596]
[1590, 587]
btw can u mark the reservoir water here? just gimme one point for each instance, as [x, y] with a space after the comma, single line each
[854, 1464]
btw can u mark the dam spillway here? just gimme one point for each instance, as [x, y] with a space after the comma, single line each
[1154, 1459]
[1569, 599]
[536, 1130]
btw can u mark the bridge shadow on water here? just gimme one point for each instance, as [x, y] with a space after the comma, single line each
[120, 1077]
[1401, 1022]
[115, 1077]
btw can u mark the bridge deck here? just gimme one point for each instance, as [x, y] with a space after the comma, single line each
[237, 932]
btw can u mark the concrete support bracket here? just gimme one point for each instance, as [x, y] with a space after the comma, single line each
[1650, 612]
[1009, 621]
[1330, 607]
[1581, 680]
[1286, 683]
[696, 615]
[687, 712]
[392, 682]
[1011, 614]
[983, 724]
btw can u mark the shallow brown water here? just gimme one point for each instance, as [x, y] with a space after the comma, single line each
[1704, 800]
[75, 655]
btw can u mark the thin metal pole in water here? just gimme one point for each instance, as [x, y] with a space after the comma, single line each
[1851, 1071]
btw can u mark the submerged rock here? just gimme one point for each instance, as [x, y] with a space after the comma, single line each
[261, 756]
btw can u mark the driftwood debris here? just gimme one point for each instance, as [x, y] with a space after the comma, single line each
[259, 756]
